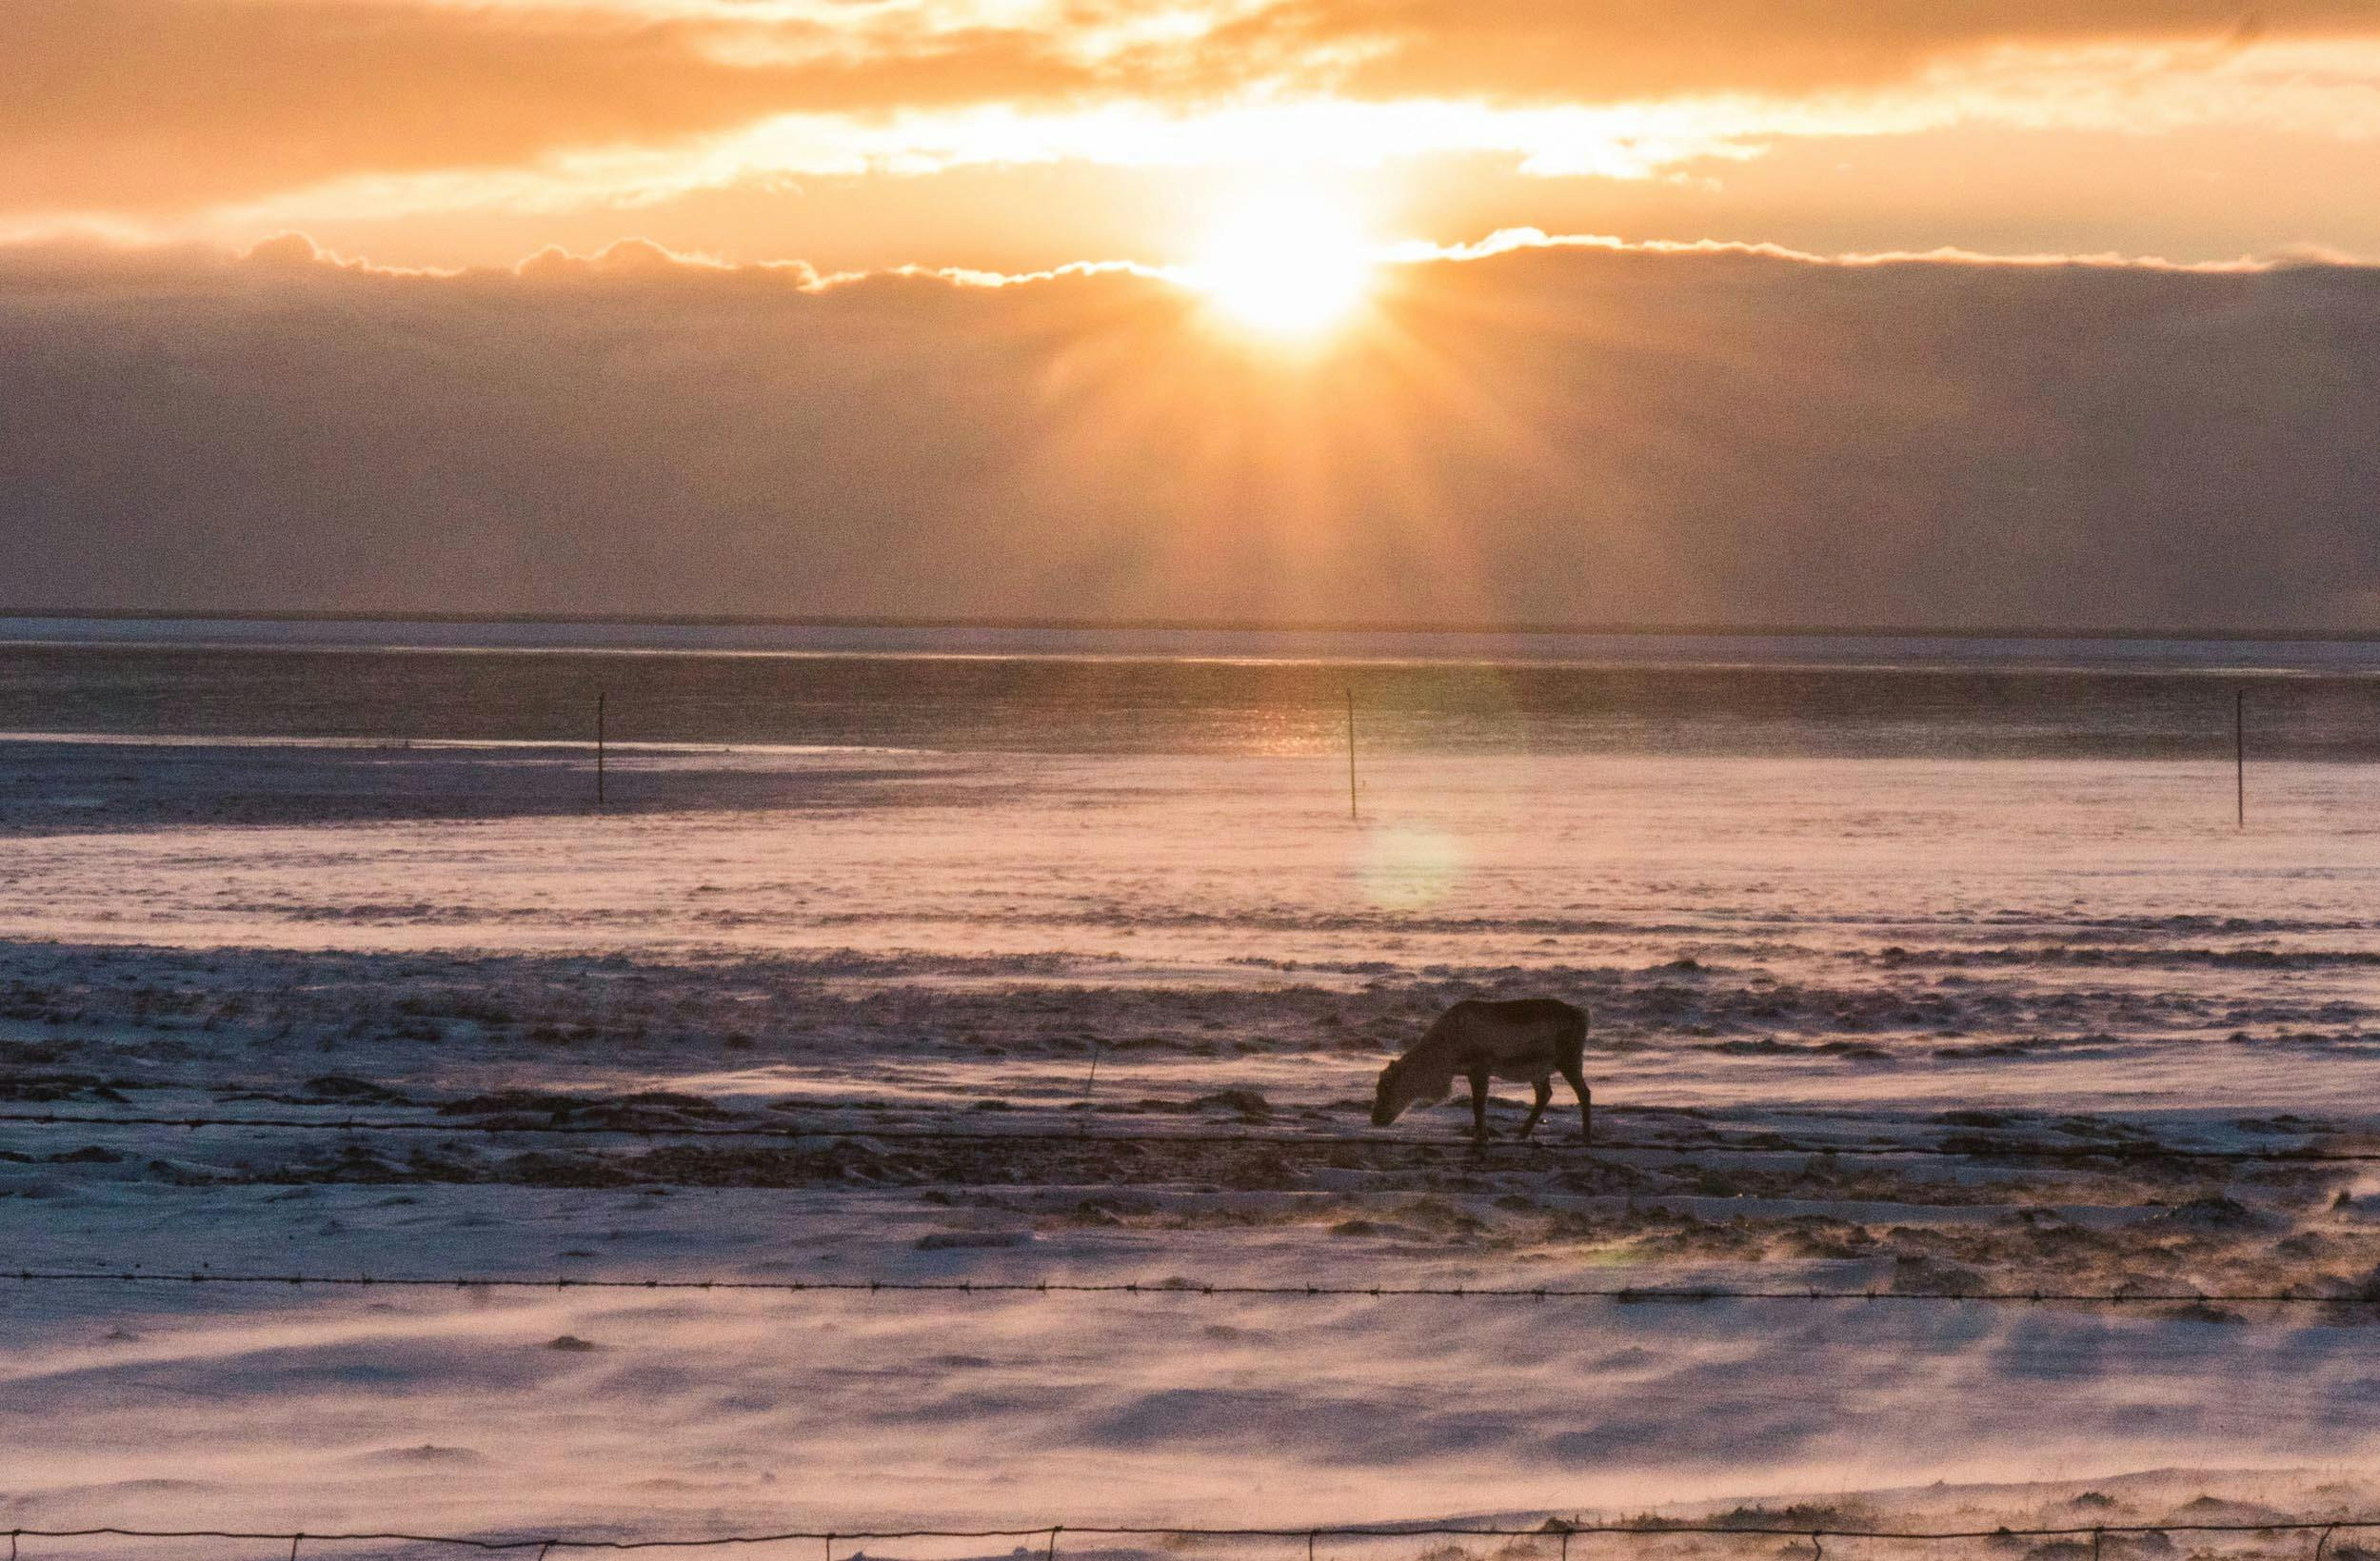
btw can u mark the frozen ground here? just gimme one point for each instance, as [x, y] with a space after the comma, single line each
[1980, 955]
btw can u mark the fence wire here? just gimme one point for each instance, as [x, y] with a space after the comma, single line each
[1196, 1290]
[1765, 1144]
[1054, 1532]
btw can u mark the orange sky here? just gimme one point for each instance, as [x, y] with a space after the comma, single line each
[1019, 134]
[2039, 312]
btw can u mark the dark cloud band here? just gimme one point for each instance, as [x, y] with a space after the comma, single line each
[1548, 434]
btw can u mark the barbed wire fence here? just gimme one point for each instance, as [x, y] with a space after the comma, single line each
[1180, 1289]
[1049, 1535]
[1765, 1144]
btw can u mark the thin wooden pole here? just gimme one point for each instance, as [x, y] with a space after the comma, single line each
[1350, 754]
[2239, 752]
[601, 697]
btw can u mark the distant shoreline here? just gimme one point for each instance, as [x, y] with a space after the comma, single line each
[1208, 625]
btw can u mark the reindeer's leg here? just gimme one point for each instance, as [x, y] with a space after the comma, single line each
[1545, 1093]
[1479, 1102]
[1577, 1077]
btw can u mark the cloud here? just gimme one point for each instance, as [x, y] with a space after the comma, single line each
[163, 110]
[165, 104]
[1537, 431]
[1604, 51]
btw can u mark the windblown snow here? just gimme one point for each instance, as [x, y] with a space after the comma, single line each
[868, 951]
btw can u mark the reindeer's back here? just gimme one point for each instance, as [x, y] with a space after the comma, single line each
[1518, 1037]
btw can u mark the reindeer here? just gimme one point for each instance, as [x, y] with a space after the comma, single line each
[1527, 1037]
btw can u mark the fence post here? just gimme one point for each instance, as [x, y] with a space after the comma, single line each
[1351, 756]
[601, 695]
[2239, 752]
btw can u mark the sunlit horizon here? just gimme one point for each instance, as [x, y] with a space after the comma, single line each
[1263, 311]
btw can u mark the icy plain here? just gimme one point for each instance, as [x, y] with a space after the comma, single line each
[1976, 952]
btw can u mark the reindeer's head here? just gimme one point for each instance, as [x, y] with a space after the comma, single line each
[1404, 1084]
[1386, 1103]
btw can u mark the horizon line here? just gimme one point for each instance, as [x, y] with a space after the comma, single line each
[1531, 628]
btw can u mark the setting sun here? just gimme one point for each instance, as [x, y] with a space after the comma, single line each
[1284, 265]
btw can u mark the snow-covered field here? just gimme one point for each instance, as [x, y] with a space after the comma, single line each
[1967, 952]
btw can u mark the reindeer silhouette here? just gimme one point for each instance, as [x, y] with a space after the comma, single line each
[1526, 1037]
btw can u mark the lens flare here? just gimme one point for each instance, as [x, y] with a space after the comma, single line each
[1410, 867]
